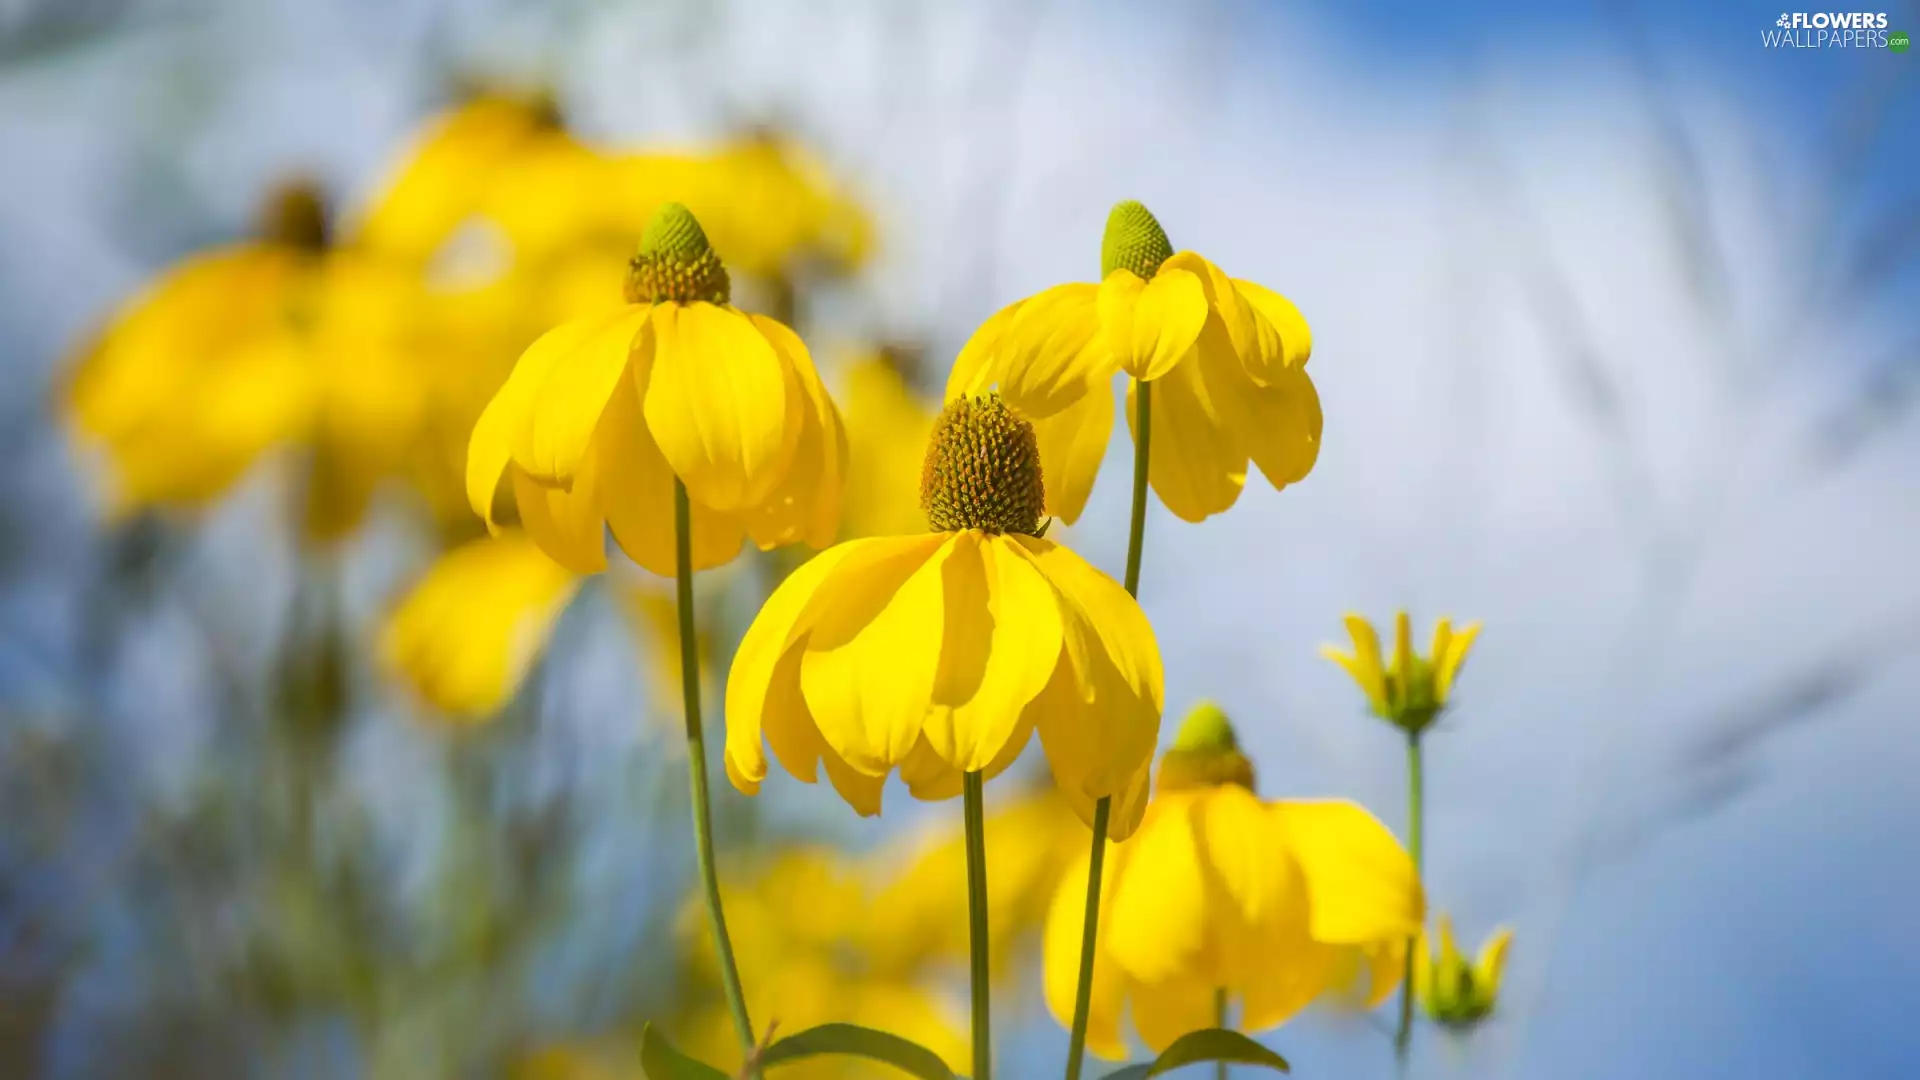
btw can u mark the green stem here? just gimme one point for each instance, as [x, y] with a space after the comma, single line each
[1102, 810]
[1403, 1037]
[977, 923]
[1220, 1021]
[697, 766]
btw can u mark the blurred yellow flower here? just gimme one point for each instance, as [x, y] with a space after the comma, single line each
[1221, 892]
[466, 634]
[1226, 358]
[1409, 690]
[920, 911]
[1451, 990]
[601, 415]
[941, 653]
[280, 342]
[887, 428]
[797, 929]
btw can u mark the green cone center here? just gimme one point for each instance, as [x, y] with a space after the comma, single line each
[675, 263]
[1134, 241]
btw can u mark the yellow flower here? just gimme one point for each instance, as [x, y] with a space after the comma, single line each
[280, 342]
[1226, 357]
[602, 414]
[796, 930]
[940, 654]
[1452, 991]
[468, 632]
[1410, 690]
[1221, 891]
[887, 428]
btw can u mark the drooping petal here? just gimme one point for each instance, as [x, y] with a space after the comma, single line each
[874, 651]
[805, 505]
[1097, 739]
[1296, 338]
[565, 522]
[1362, 883]
[999, 646]
[505, 418]
[1158, 928]
[588, 365]
[931, 778]
[1151, 325]
[1447, 666]
[1195, 464]
[1255, 346]
[1278, 424]
[763, 683]
[1073, 443]
[1491, 965]
[1364, 663]
[1052, 348]
[635, 489]
[724, 409]
[465, 636]
[1065, 933]
[1164, 1011]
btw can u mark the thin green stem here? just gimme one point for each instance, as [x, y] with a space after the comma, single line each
[1416, 796]
[1102, 810]
[697, 766]
[1220, 1021]
[976, 816]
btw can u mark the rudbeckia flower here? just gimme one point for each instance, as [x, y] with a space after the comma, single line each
[1226, 360]
[1409, 690]
[601, 415]
[466, 635]
[940, 654]
[1222, 892]
[1451, 990]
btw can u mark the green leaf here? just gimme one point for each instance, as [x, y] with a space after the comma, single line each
[662, 1062]
[856, 1041]
[1211, 1044]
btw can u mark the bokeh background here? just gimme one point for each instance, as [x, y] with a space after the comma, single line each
[1613, 310]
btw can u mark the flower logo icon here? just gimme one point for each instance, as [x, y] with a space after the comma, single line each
[1784, 21]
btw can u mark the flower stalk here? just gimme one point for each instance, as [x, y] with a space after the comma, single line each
[697, 769]
[1102, 811]
[976, 840]
[1416, 796]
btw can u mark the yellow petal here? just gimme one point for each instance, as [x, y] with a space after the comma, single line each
[931, 778]
[981, 362]
[874, 651]
[1255, 344]
[1097, 739]
[566, 523]
[1402, 661]
[1446, 667]
[1490, 968]
[1278, 423]
[1052, 349]
[724, 409]
[1129, 807]
[1423, 980]
[1158, 928]
[588, 364]
[505, 419]
[761, 697]
[1073, 443]
[1296, 339]
[887, 427]
[1196, 465]
[1164, 1011]
[634, 485]
[1361, 882]
[1151, 325]
[999, 646]
[1065, 932]
[467, 633]
[1364, 663]
[805, 506]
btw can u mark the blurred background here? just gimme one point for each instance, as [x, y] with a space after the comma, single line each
[1614, 314]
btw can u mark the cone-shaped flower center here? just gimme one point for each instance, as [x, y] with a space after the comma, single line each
[1205, 753]
[982, 470]
[1134, 241]
[295, 215]
[675, 263]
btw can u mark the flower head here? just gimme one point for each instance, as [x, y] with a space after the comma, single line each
[1226, 358]
[1409, 690]
[1220, 890]
[1451, 990]
[601, 415]
[942, 653]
